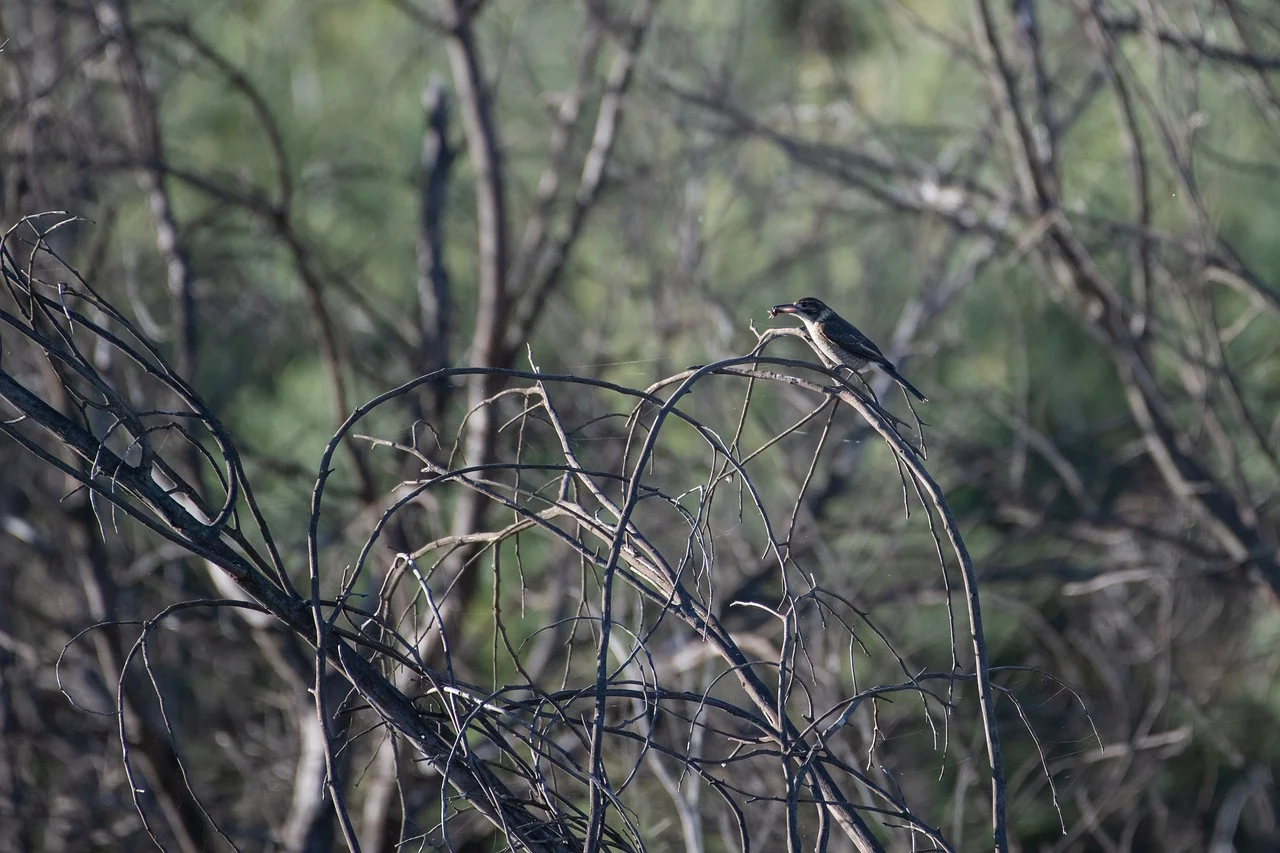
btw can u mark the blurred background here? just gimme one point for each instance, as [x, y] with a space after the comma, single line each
[1057, 217]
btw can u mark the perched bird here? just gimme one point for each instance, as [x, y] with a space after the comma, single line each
[837, 341]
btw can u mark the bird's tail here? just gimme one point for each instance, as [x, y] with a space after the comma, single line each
[901, 380]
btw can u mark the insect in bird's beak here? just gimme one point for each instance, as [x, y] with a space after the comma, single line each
[782, 309]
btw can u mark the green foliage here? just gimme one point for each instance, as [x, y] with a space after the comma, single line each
[768, 151]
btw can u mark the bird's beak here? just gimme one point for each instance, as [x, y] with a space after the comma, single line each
[783, 309]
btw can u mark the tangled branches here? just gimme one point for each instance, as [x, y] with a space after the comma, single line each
[619, 662]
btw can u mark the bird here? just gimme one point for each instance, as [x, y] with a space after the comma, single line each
[838, 342]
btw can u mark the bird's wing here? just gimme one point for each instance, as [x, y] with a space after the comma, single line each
[846, 336]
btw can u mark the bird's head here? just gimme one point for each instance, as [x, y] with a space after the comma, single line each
[806, 309]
